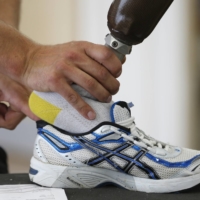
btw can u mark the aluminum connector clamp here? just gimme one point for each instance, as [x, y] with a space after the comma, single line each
[117, 45]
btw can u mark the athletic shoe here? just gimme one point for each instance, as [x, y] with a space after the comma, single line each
[114, 151]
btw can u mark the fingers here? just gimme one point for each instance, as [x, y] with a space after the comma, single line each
[23, 103]
[10, 119]
[90, 84]
[3, 109]
[106, 57]
[20, 103]
[103, 76]
[65, 90]
[16, 95]
[93, 67]
[124, 60]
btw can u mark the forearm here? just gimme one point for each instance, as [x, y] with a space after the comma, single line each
[9, 12]
[15, 49]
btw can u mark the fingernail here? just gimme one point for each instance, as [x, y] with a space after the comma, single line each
[109, 99]
[91, 115]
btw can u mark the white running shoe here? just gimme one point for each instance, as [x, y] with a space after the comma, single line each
[114, 151]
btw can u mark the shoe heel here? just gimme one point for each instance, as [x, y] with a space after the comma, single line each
[43, 173]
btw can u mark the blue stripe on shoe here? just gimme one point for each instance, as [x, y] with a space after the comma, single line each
[71, 146]
[170, 164]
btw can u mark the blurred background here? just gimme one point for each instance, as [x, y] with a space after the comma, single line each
[161, 76]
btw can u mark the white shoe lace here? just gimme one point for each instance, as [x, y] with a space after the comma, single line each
[139, 138]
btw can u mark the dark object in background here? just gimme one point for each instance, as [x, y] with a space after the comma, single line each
[3, 162]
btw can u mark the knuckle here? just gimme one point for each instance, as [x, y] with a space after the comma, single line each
[116, 88]
[72, 98]
[90, 83]
[103, 73]
[61, 65]
[83, 108]
[106, 54]
[53, 80]
[104, 97]
[117, 69]
[72, 56]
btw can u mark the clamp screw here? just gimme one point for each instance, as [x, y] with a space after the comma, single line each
[114, 44]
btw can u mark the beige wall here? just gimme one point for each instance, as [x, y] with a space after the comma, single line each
[161, 76]
[47, 21]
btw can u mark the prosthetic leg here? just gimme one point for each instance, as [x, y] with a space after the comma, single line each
[132, 21]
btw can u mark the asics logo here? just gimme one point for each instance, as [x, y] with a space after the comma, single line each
[130, 161]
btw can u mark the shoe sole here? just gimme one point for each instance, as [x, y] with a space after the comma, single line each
[90, 177]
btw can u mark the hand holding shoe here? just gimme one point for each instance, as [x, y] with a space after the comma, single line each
[17, 97]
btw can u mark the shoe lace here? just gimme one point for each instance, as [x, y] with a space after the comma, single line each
[138, 137]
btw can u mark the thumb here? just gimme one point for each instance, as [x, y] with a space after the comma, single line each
[24, 108]
[3, 109]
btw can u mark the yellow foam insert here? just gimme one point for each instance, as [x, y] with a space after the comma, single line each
[43, 109]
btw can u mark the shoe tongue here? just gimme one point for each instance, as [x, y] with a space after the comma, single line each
[120, 111]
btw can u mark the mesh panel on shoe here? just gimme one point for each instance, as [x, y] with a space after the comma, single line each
[111, 145]
[83, 155]
[186, 154]
[129, 152]
[51, 155]
[120, 162]
[66, 138]
[120, 114]
[105, 165]
[162, 171]
[95, 149]
[195, 163]
[135, 171]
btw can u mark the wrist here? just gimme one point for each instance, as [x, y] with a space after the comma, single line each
[15, 50]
